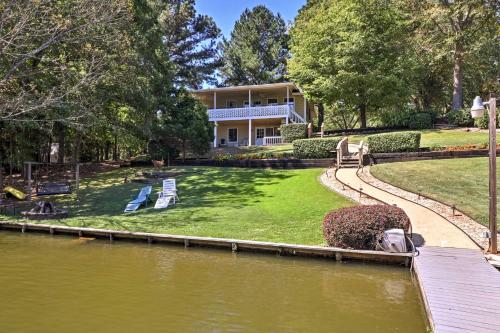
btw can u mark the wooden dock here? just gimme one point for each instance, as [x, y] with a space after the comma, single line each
[222, 243]
[461, 290]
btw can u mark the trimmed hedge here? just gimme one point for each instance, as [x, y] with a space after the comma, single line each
[361, 227]
[315, 148]
[420, 120]
[293, 132]
[394, 142]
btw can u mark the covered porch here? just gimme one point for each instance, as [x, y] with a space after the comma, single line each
[250, 132]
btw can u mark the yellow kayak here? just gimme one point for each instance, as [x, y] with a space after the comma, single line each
[15, 192]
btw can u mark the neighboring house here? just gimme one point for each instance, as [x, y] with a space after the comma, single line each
[252, 115]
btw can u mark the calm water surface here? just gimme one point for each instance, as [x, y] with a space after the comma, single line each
[58, 284]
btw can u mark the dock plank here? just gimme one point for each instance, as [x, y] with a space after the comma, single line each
[459, 286]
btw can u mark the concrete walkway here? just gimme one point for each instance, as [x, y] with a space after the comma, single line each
[429, 228]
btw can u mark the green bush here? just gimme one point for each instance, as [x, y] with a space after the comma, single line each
[482, 122]
[395, 118]
[420, 120]
[394, 142]
[362, 227]
[460, 117]
[315, 148]
[293, 132]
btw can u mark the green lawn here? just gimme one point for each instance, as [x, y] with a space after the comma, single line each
[463, 182]
[451, 137]
[256, 204]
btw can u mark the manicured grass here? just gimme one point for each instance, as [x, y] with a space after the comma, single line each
[257, 204]
[462, 182]
[451, 137]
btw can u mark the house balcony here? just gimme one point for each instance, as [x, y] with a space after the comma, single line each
[256, 112]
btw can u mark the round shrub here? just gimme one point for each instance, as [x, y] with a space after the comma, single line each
[293, 132]
[460, 117]
[361, 227]
[420, 120]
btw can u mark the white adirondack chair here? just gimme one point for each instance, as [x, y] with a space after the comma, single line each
[168, 193]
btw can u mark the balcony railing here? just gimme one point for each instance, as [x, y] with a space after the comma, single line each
[255, 112]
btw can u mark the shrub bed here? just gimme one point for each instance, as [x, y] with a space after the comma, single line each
[293, 132]
[420, 120]
[460, 117]
[394, 142]
[361, 227]
[253, 156]
[315, 148]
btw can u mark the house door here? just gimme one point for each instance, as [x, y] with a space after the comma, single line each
[259, 136]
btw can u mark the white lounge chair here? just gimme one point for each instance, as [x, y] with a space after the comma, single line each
[168, 193]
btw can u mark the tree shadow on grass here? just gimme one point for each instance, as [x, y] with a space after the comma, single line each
[103, 198]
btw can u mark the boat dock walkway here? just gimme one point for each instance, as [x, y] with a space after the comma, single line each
[460, 289]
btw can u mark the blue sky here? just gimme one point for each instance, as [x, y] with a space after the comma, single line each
[226, 12]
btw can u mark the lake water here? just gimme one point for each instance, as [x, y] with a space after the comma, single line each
[59, 284]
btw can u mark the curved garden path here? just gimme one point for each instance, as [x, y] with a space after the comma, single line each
[430, 228]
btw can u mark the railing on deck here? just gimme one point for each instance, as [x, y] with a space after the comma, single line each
[272, 140]
[268, 111]
[342, 150]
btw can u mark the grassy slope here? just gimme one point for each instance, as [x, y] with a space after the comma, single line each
[256, 204]
[454, 137]
[463, 182]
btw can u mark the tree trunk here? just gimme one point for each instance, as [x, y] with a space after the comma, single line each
[321, 114]
[107, 148]
[115, 149]
[362, 115]
[61, 136]
[183, 150]
[76, 147]
[458, 102]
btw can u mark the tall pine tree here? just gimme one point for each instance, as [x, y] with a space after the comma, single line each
[257, 51]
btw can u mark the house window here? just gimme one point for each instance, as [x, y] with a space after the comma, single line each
[272, 101]
[272, 131]
[254, 103]
[232, 135]
[260, 133]
[290, 100]
[230, 104]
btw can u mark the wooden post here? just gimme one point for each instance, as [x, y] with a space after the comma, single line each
[29, 180]
[493, 176]
[309, 130]
[77, 179]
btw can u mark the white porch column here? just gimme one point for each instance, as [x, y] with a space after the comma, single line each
[287, 96]
[249, 132]
[286, 120]
[249, 98]
[215, 100]
[305, 109]
[215, 134]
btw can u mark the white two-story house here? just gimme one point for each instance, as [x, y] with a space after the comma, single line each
[252, 115]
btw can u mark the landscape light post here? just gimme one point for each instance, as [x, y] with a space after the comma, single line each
[477, 111]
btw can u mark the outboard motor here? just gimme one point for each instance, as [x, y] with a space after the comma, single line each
[394, 240]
